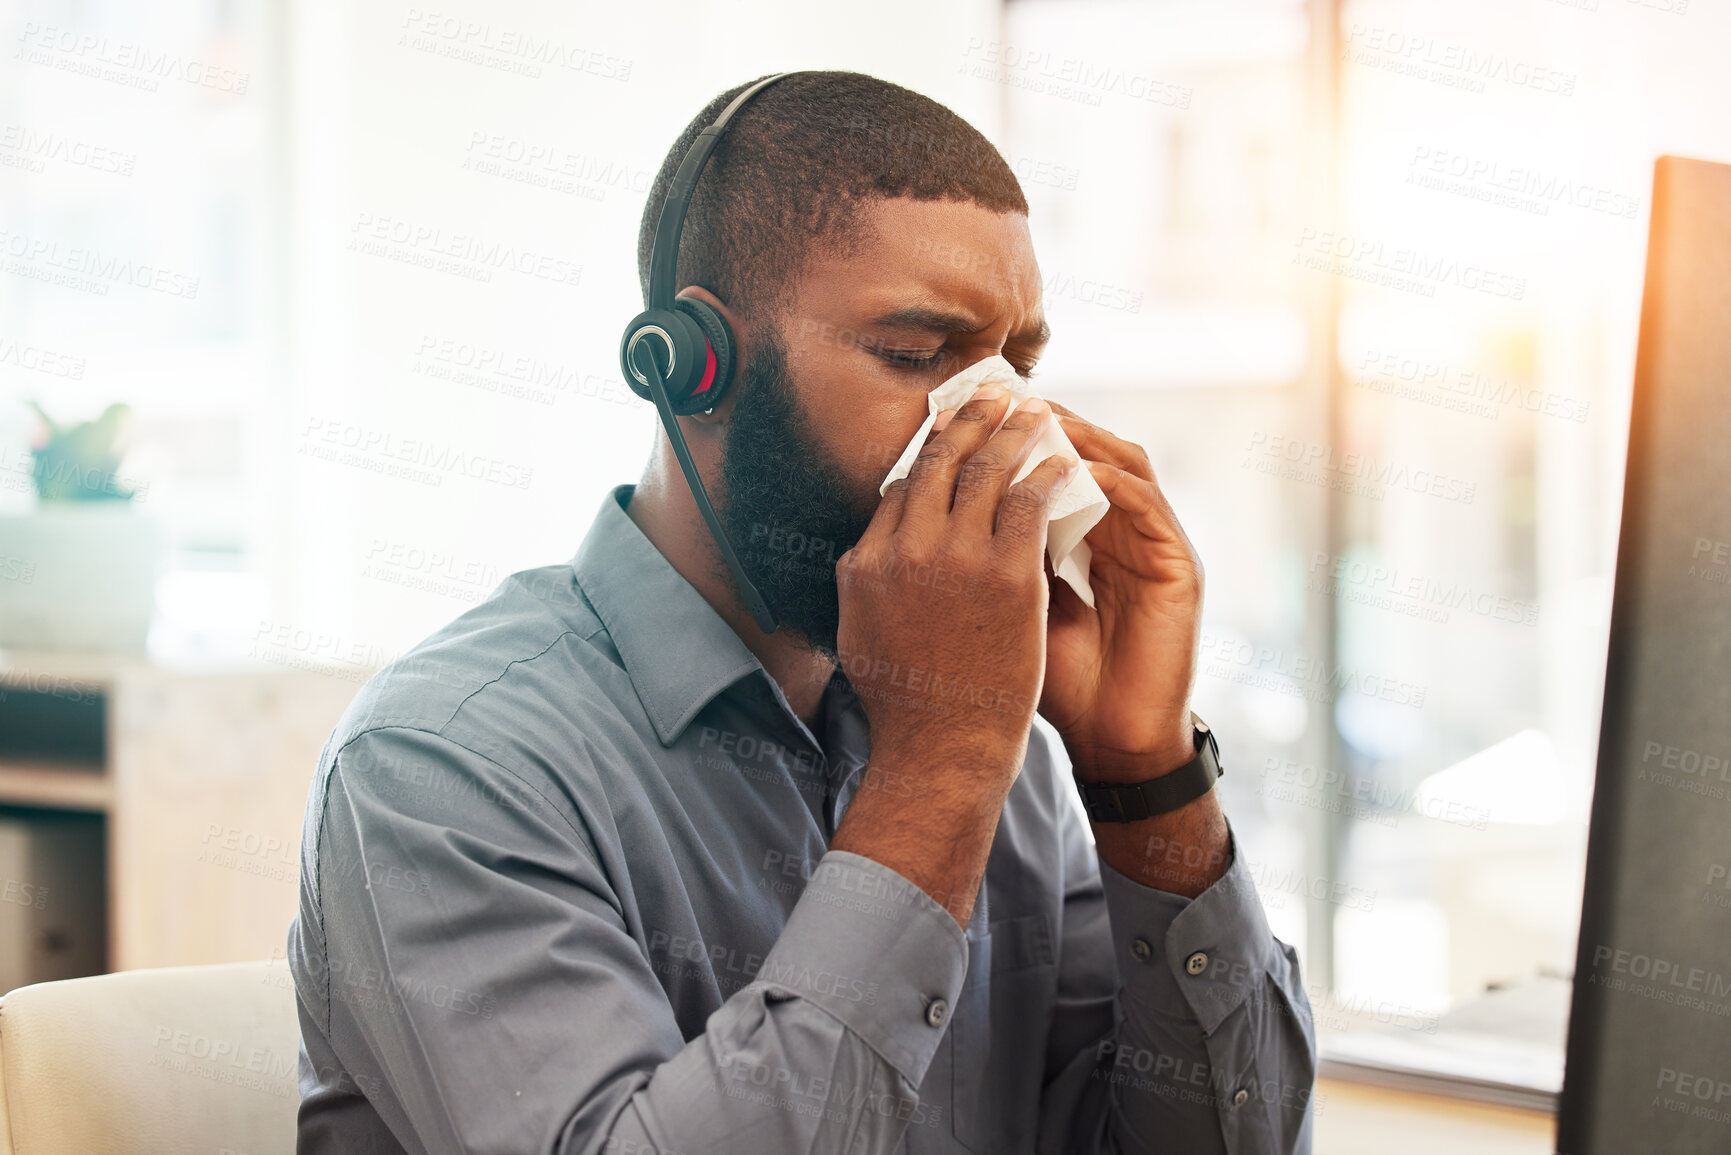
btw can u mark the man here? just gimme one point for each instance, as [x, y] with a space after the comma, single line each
[600, 866]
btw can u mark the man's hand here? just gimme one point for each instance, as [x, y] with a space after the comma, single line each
[1119, 676]
[943, 601]
[943, 638]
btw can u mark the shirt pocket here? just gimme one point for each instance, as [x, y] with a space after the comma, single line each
[998, 1036]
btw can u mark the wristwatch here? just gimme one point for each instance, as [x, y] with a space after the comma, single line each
[1134, 801]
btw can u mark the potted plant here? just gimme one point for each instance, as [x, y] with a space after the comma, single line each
[79, 572]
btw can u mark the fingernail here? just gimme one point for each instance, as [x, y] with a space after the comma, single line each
[1034, 405]
[942, 420]
[989, 392]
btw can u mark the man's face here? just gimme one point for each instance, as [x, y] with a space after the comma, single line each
[827, 403]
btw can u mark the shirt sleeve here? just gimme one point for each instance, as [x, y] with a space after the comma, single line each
[1182, 1025]
[541, 1026]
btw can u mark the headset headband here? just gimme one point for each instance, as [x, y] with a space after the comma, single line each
[697, 335]
[664, 255]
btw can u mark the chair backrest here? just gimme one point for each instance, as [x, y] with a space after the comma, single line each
[153, 1061]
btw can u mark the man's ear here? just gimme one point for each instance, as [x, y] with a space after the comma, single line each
[740, 353]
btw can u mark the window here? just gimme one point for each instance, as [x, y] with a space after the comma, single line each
[1374, 318]
[141, 210]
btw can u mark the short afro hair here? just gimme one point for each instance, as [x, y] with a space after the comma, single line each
[794, 168]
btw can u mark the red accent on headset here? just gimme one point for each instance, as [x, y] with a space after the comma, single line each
[708, 370]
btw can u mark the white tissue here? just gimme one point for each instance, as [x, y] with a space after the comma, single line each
[1080, 503]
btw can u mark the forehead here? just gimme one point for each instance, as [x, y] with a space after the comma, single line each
[954, 255]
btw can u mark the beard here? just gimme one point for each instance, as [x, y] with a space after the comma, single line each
[788, 509]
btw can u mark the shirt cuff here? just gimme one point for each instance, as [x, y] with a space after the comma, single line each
[1206, 953]
[877, 953]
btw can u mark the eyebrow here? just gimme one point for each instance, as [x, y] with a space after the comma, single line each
[940, 321]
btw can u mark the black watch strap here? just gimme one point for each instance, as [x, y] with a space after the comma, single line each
[1134, 801]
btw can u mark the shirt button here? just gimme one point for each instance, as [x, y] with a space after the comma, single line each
[1241, 1098]
[937, 1012]
[1196, 963]
[1140, 950]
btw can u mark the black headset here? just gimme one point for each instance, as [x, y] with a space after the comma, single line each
[679, 353]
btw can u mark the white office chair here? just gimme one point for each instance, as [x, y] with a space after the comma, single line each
[152, 1062]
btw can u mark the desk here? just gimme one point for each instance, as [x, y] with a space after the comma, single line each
[1357, 1119]
[200, 776]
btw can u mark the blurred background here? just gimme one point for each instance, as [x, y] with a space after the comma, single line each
[1363, 276]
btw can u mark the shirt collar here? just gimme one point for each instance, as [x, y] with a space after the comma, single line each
[678, 651]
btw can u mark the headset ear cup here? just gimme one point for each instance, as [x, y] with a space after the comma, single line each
[707, 394]
[680, 346]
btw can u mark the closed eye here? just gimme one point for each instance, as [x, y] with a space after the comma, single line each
[915, 361]
[911, 360]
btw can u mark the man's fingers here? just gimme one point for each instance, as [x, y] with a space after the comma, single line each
[1098, 444]
[1148, 508]
[889, 512]
[932, 479]
[983, 478]
[1023, 513]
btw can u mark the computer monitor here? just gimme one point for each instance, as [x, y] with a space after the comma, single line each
[1649, 1048]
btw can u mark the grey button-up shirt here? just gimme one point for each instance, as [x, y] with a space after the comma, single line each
[566, 887]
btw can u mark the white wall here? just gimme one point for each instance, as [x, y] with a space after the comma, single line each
[387, 101]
